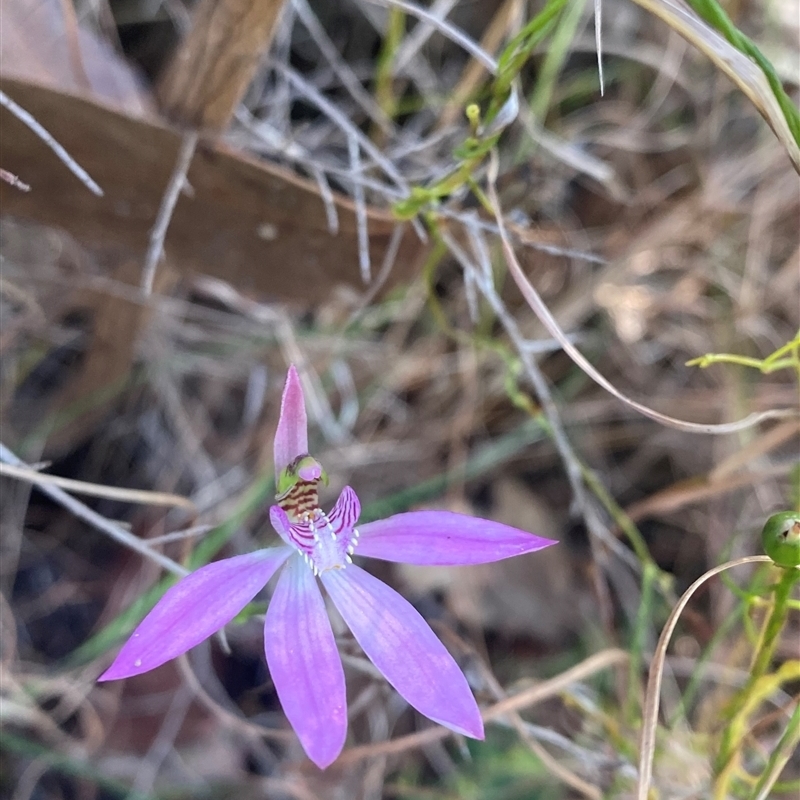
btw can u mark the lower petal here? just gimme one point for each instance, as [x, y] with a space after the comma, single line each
[195, 608]
[305, 664]
[403, 647]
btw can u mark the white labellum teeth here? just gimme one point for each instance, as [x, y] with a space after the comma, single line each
[351, 549]
[349, 560]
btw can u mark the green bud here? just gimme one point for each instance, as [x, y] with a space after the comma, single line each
[781, 538]
[473, 113]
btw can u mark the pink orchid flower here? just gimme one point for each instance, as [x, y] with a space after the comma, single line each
[300, 648]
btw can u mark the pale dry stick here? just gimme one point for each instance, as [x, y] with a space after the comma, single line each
[383, 274]
[23, 298]
[550, 762]
[447, 29]
[647, 742]
[757, 447]
[386, 191]
[179, 536]
[191, 440]
[14, 180]
[8, 634]
[346, 389]
[416, 39]
[148, 768]
[326, 194]
[97, 489]
[484, 280]
[572, 466]
[667, 77]
[546, 318]
[28, 119]
[721, 674]
[598, 41]
[340, 68]
[360, 202]
[279, 145]
[598, 760]
[419, 70]
[675, 497]
[30, 777]
[469, 218]
[554, 766]
[98, 521]
[316, 398]
[292, 786]
[311, 93]
[168, 202]
[225, 715]
[525, 699]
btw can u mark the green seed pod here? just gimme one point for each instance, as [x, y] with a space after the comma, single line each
[781, 538]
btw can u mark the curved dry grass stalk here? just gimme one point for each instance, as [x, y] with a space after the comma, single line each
[652, 697]
[226, 716]
[340, 67]
[446, 29]
[97, 489]
[71, 164]
[526, 734]
[548, 320]
[98, 521]
[738, 67]
[525, 699]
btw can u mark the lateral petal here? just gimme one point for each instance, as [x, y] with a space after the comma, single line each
[403, 647]
[193, 609]
[305, 664]
[444, 538]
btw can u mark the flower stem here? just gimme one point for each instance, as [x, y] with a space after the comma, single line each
[779, 756]
[742, 703]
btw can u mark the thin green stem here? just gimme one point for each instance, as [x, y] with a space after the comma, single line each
[384, 78]
[779, 756]
[765, 651]
[644, 616]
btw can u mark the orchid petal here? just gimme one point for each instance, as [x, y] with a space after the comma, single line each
[196, 607]
[305, 664]
[444, 538]
[291, 436]
[403, 647]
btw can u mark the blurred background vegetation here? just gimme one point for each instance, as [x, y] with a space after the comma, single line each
[255, 183]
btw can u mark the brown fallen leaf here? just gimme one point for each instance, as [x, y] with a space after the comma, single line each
[251, 223]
